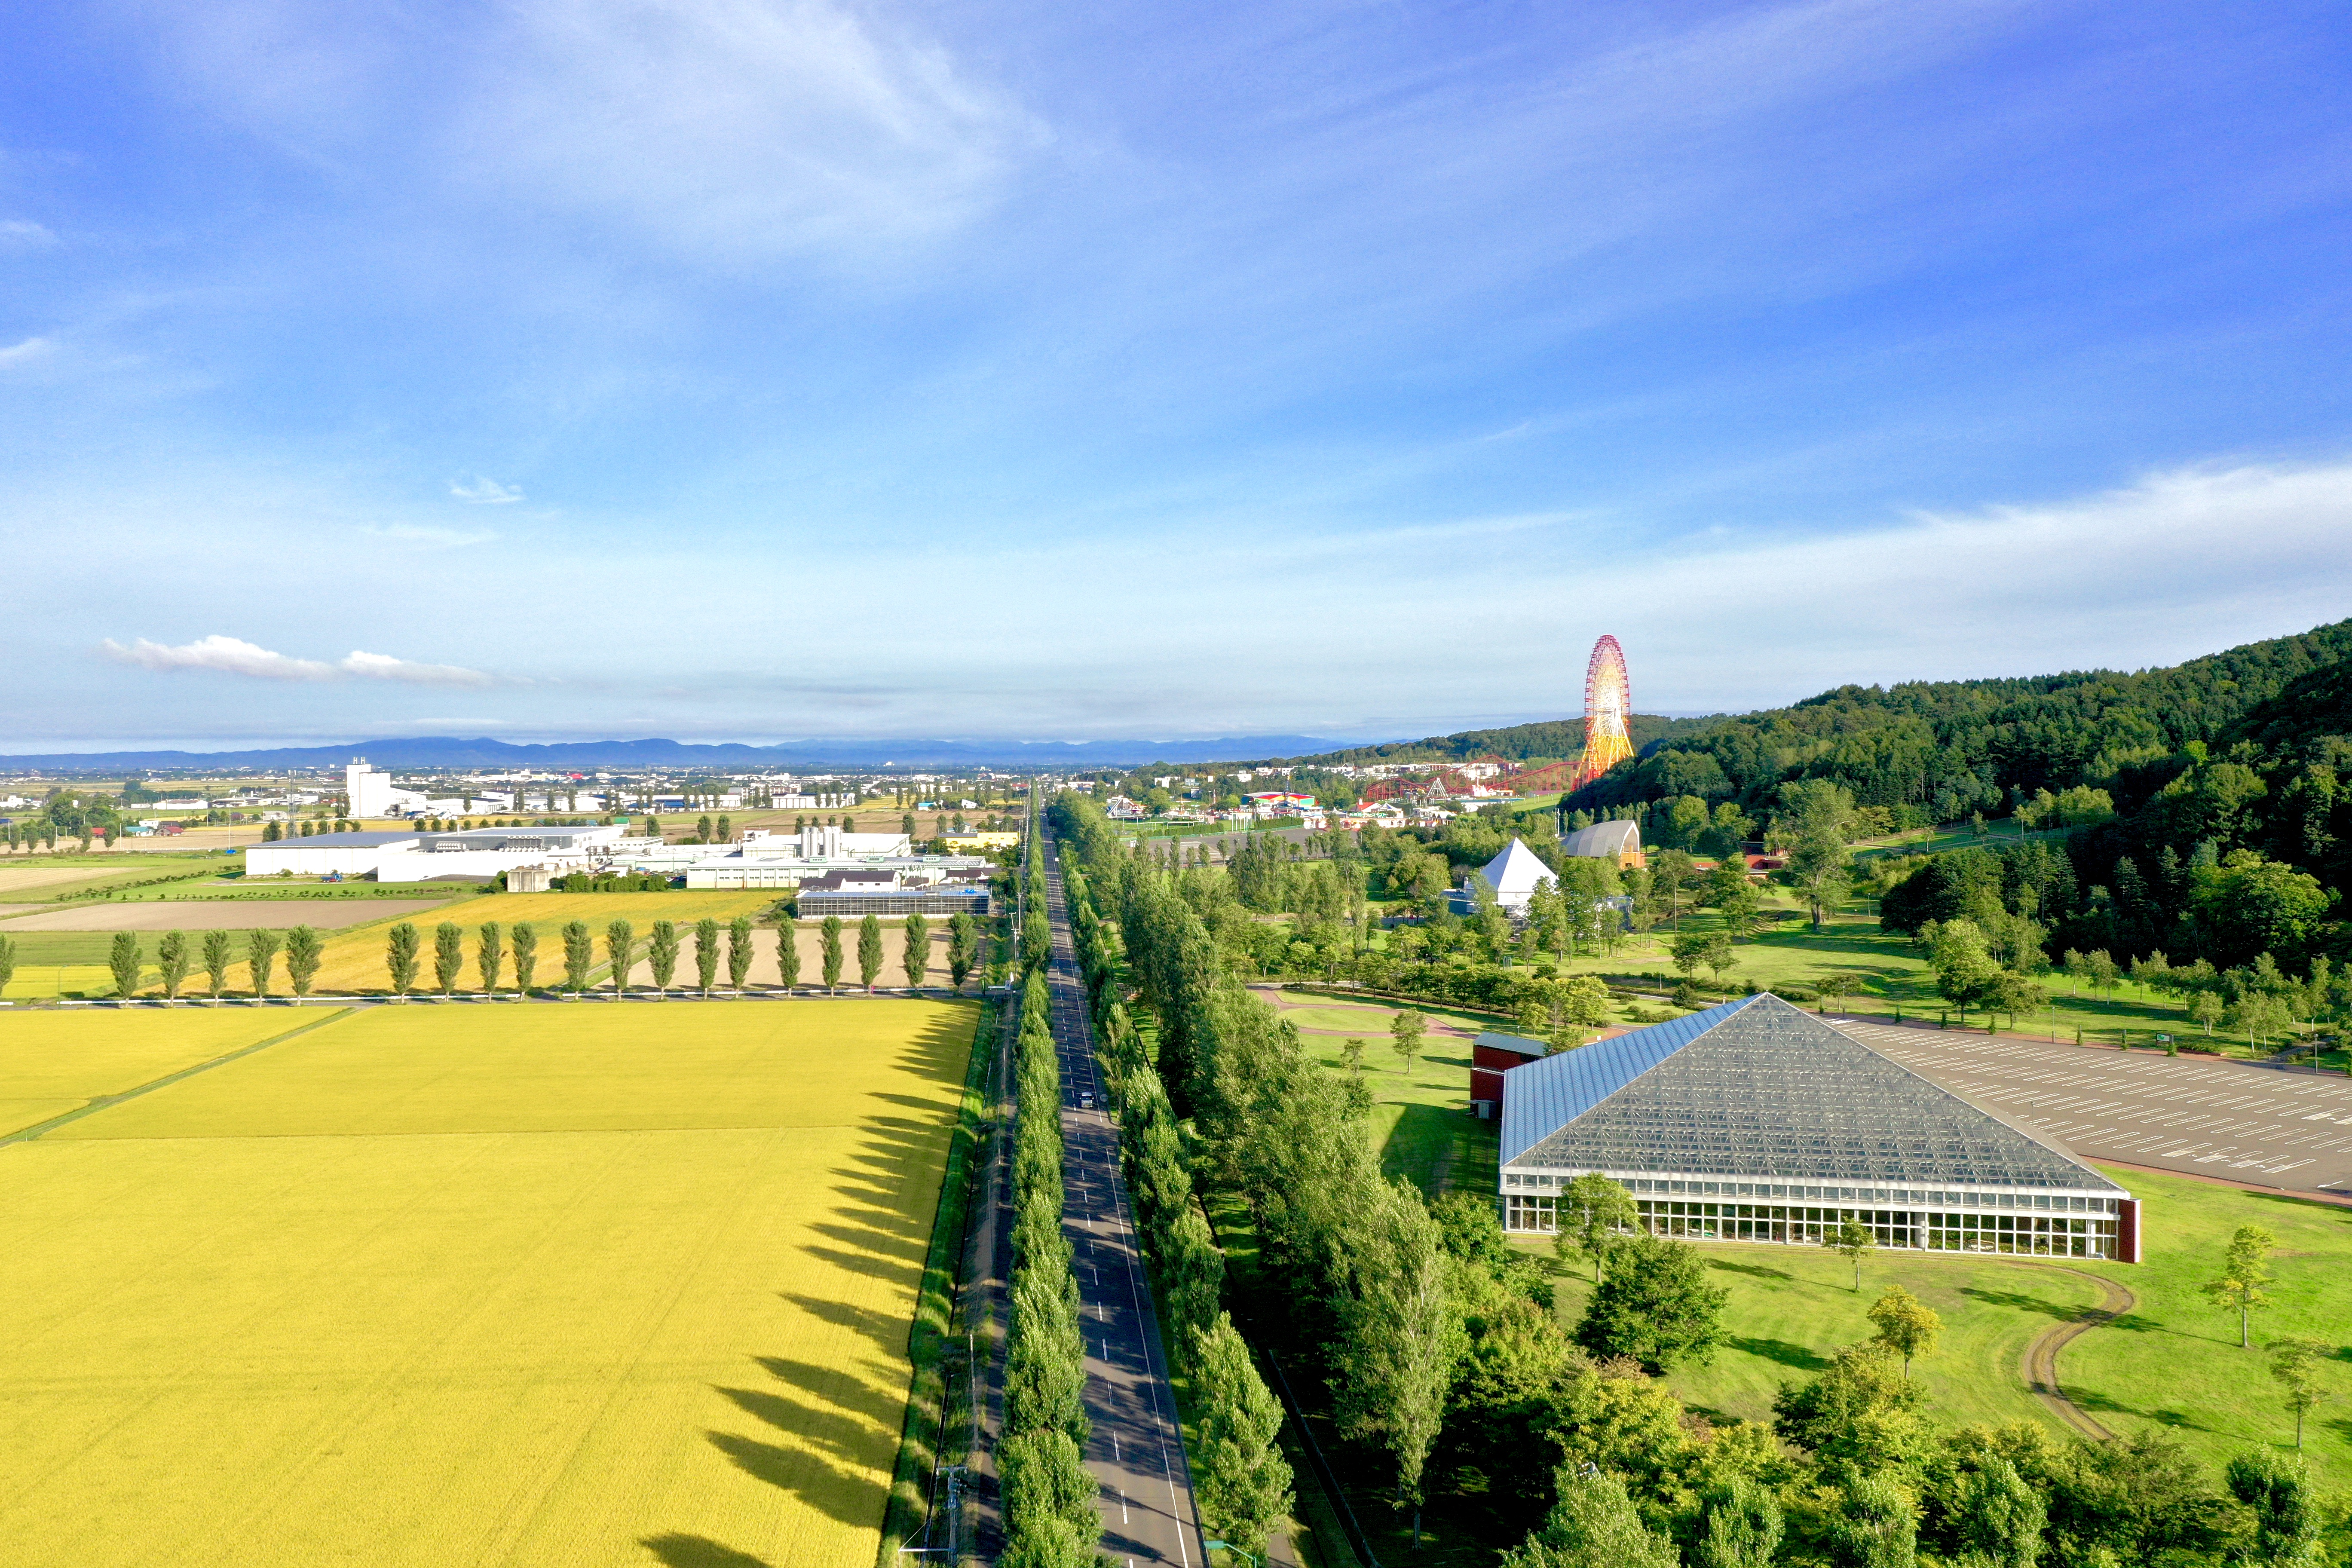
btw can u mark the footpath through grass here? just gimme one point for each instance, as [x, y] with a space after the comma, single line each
[436, 1287]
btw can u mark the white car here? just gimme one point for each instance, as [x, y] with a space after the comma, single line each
[1086, 1100]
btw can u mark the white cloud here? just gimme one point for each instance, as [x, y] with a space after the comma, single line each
[29, 350]
[484, 492]
[233, 655]
[22, 234]
[384, 666]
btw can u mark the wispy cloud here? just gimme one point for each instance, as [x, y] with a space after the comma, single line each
[482, 490]
[23, 233]
[30, 349]
[234, 656]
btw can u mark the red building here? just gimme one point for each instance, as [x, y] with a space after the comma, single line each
[1492, 1055]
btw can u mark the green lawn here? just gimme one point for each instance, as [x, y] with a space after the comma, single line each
[2173, 1362]
[1420, 1121]
[1792, 1306]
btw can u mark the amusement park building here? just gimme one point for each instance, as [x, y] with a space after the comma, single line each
[1618, 841]
[1756, 1121]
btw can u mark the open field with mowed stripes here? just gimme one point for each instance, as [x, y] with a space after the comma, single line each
[434, 1286]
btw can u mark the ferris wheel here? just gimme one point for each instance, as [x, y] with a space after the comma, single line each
[1608, 706]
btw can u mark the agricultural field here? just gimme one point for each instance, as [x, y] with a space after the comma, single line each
[416, 1286]
[52, 1062]
[219, 914]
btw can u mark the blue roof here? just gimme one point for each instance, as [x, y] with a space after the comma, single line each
[1543, 1096]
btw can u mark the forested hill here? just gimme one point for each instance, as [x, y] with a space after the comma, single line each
[1944, 748]
[1552, 739]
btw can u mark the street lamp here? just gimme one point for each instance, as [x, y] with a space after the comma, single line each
[1229, 1546]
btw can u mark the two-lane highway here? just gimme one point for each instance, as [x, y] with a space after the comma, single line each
[1136, 1450]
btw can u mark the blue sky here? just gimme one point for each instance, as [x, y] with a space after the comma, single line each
[569, 368]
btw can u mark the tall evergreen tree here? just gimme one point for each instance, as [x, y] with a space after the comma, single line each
[915, 955]
[620, 951]
[525, 956]
[174, 959]
[306, 950]
[740, 951]
[124, 961]
[449, 956]
[829, 951]
[706, 955]
[870, 952]
[661, 954]
[490, 955]
[400, 958]
[260, 958]
[218, 955]
[579, 955]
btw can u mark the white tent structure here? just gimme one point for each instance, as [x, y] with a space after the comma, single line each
[1514, 875]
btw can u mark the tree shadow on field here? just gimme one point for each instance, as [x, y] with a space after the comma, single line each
[699, 1552]
[2022, 1302]
[2092, 1400]
[1758, 1269]
[1785, 1351]
[842, 1419]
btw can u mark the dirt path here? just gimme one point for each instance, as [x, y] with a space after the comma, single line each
[2041, 1365]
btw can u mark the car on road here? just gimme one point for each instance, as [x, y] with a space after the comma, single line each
[1087, 1099]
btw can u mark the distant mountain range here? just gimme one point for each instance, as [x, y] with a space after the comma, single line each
[575, 756]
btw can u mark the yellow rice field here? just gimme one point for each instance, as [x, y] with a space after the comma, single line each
[478, 1285]
[53, 1062]
[355, 958]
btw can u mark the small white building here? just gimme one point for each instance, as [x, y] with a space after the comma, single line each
[1515, 875]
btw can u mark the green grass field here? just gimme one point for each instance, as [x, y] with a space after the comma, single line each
[2173, 1364]
[514, 1286]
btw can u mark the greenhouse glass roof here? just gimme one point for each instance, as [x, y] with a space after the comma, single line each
[1757, 1088]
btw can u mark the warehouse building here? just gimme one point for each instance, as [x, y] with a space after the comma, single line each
[1758, 1121]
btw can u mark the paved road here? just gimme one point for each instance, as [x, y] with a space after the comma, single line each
[1136, 1450]
[2284, 1128]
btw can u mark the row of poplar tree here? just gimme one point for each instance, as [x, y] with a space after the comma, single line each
[666, 944]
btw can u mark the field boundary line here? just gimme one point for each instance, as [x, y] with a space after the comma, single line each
[108, 1101]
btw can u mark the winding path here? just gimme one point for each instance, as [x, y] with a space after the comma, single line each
[2040, 1364]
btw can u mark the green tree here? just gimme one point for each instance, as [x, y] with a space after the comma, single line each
[8, 960]
[2294, 1366]
[963, 950]
[1240, 1479]
[1741, 1526]
[173, 960]
[1400, 1336]
[1817, 868]
[449, 956]
[306, 950]
[579, 955]
[740, 951]
[1405, 1030]
[489, 955]
[1655, 1306]
[1906, 1325]
[525, 956]
[1052, 1504]
[1862, 1411]
[1999, 1516]
[1873, 1525]
[870, 952]
[829, 951]
[788, 947]
[620, 951]
[1595, 1216]
[2245, 1271]
[2288, 1514]
[2205, 1008]
[260, 958]
[218, 955]
[1850, 1238]
[706, 955]
[400, 951]
[661, 954]
[1593, 1525]
[2260, 1015]
[1352, 1054]
[1718, 957]
[124, 961]
[915, 953]
[1690, 951]
[1962, 966]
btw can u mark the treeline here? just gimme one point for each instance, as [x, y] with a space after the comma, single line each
[1552, 739]
[1052, 1515]
[1446, 1363]
[1241, 1481]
